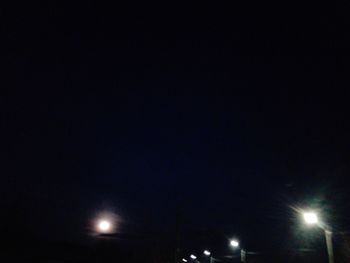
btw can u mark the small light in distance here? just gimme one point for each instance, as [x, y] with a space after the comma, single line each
[234, 243]
[184, 260]
[104, 226]
[193, 256]
[310, 218]
[206, 252]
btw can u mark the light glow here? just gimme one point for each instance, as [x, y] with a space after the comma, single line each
[310, 218]
[206, 252]
[193, 256]
[234, 243]
[104, 226]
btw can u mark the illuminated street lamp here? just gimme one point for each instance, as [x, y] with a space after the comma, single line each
[184, 260]
[208, 254]
[311, 218]
[234, 243]
[193, 257]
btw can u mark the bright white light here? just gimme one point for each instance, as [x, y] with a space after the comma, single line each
[206, 252]
[234, 243]
[310, 218]
[184, 260]
[104, 226]
[193, 256]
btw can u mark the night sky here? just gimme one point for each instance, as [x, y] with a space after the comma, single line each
[207, 117]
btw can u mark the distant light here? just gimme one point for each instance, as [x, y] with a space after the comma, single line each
[193, 256]
[184, 260]
[234, 243]
[310, 218]
[206, 252]
[104, 226]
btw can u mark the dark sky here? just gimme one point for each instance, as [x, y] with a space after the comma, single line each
[220, 115]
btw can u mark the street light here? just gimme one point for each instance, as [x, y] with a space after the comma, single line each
[311, 218]
[193, 257]
[234, 243]
[208, 254]
[184, 260]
